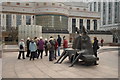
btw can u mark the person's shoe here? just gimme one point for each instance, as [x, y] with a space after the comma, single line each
[55, 62]
[96, 64]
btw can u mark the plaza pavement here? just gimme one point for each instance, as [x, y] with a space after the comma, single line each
[42, 68]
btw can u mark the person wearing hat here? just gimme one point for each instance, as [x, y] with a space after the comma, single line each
[32, 48]
[40, 47]
[51, 48]
[21, 49]
[28, 43]
[46, 49]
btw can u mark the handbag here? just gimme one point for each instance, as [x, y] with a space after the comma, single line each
[98, 47]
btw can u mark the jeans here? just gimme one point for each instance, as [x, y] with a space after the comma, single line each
[32, 55]
[28, 53]
[58, 50]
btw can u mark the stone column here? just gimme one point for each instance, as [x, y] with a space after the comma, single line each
[32, 21]
[13, 20]
[77, 23]
[70, 25]
[23, 19]
[98, 24]
[85, 23]
[96, 6]
[91, 24]
[92, 6]
[3, 21]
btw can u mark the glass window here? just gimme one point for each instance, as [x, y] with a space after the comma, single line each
[73, 25]
[8, 21]
[52, 22]
[90, 6]
[81, 24]
[88, 24]
[95, 24]
[99, 6]
[104, 13]
[28, 20]
[94, 6]
[116, 12]
[110, 13]
[18, 18]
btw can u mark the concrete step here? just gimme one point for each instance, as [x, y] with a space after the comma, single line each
[10, 48]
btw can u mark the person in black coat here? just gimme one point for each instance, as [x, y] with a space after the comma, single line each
[46, 49]
[59, 44]
[27, 43]
[95, 47]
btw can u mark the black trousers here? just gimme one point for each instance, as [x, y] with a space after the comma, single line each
[32, 56]
[23, 55]
[40, 52]
[95, 53]
[46, 52]
[51, 55]
[28, 53]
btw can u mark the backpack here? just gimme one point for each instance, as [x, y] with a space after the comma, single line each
[49, 45]
[21, 46]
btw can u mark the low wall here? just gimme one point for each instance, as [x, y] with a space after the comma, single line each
[107, 38]
[55, 35]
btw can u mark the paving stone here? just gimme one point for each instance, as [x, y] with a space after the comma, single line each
[42, 68]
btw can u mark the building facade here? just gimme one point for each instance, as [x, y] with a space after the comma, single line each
[55, 18]
[58, 16]
[110, 15]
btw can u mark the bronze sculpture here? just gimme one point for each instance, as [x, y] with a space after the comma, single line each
[81, 49]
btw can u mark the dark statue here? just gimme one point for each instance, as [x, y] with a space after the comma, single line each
[81, 49]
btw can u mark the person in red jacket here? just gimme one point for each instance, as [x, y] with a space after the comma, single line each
[102, 42]
[65, 43]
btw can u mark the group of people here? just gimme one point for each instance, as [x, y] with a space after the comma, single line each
[36, 46]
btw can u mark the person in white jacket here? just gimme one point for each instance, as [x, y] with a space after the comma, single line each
[21, 49]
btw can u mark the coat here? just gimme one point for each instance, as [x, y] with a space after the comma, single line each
[65, 43]
[27, 43]
[59, 41]
[52, 43]
[95, 46]
[23, 44]
[56, 45]
[40, 44]
[32, 47]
